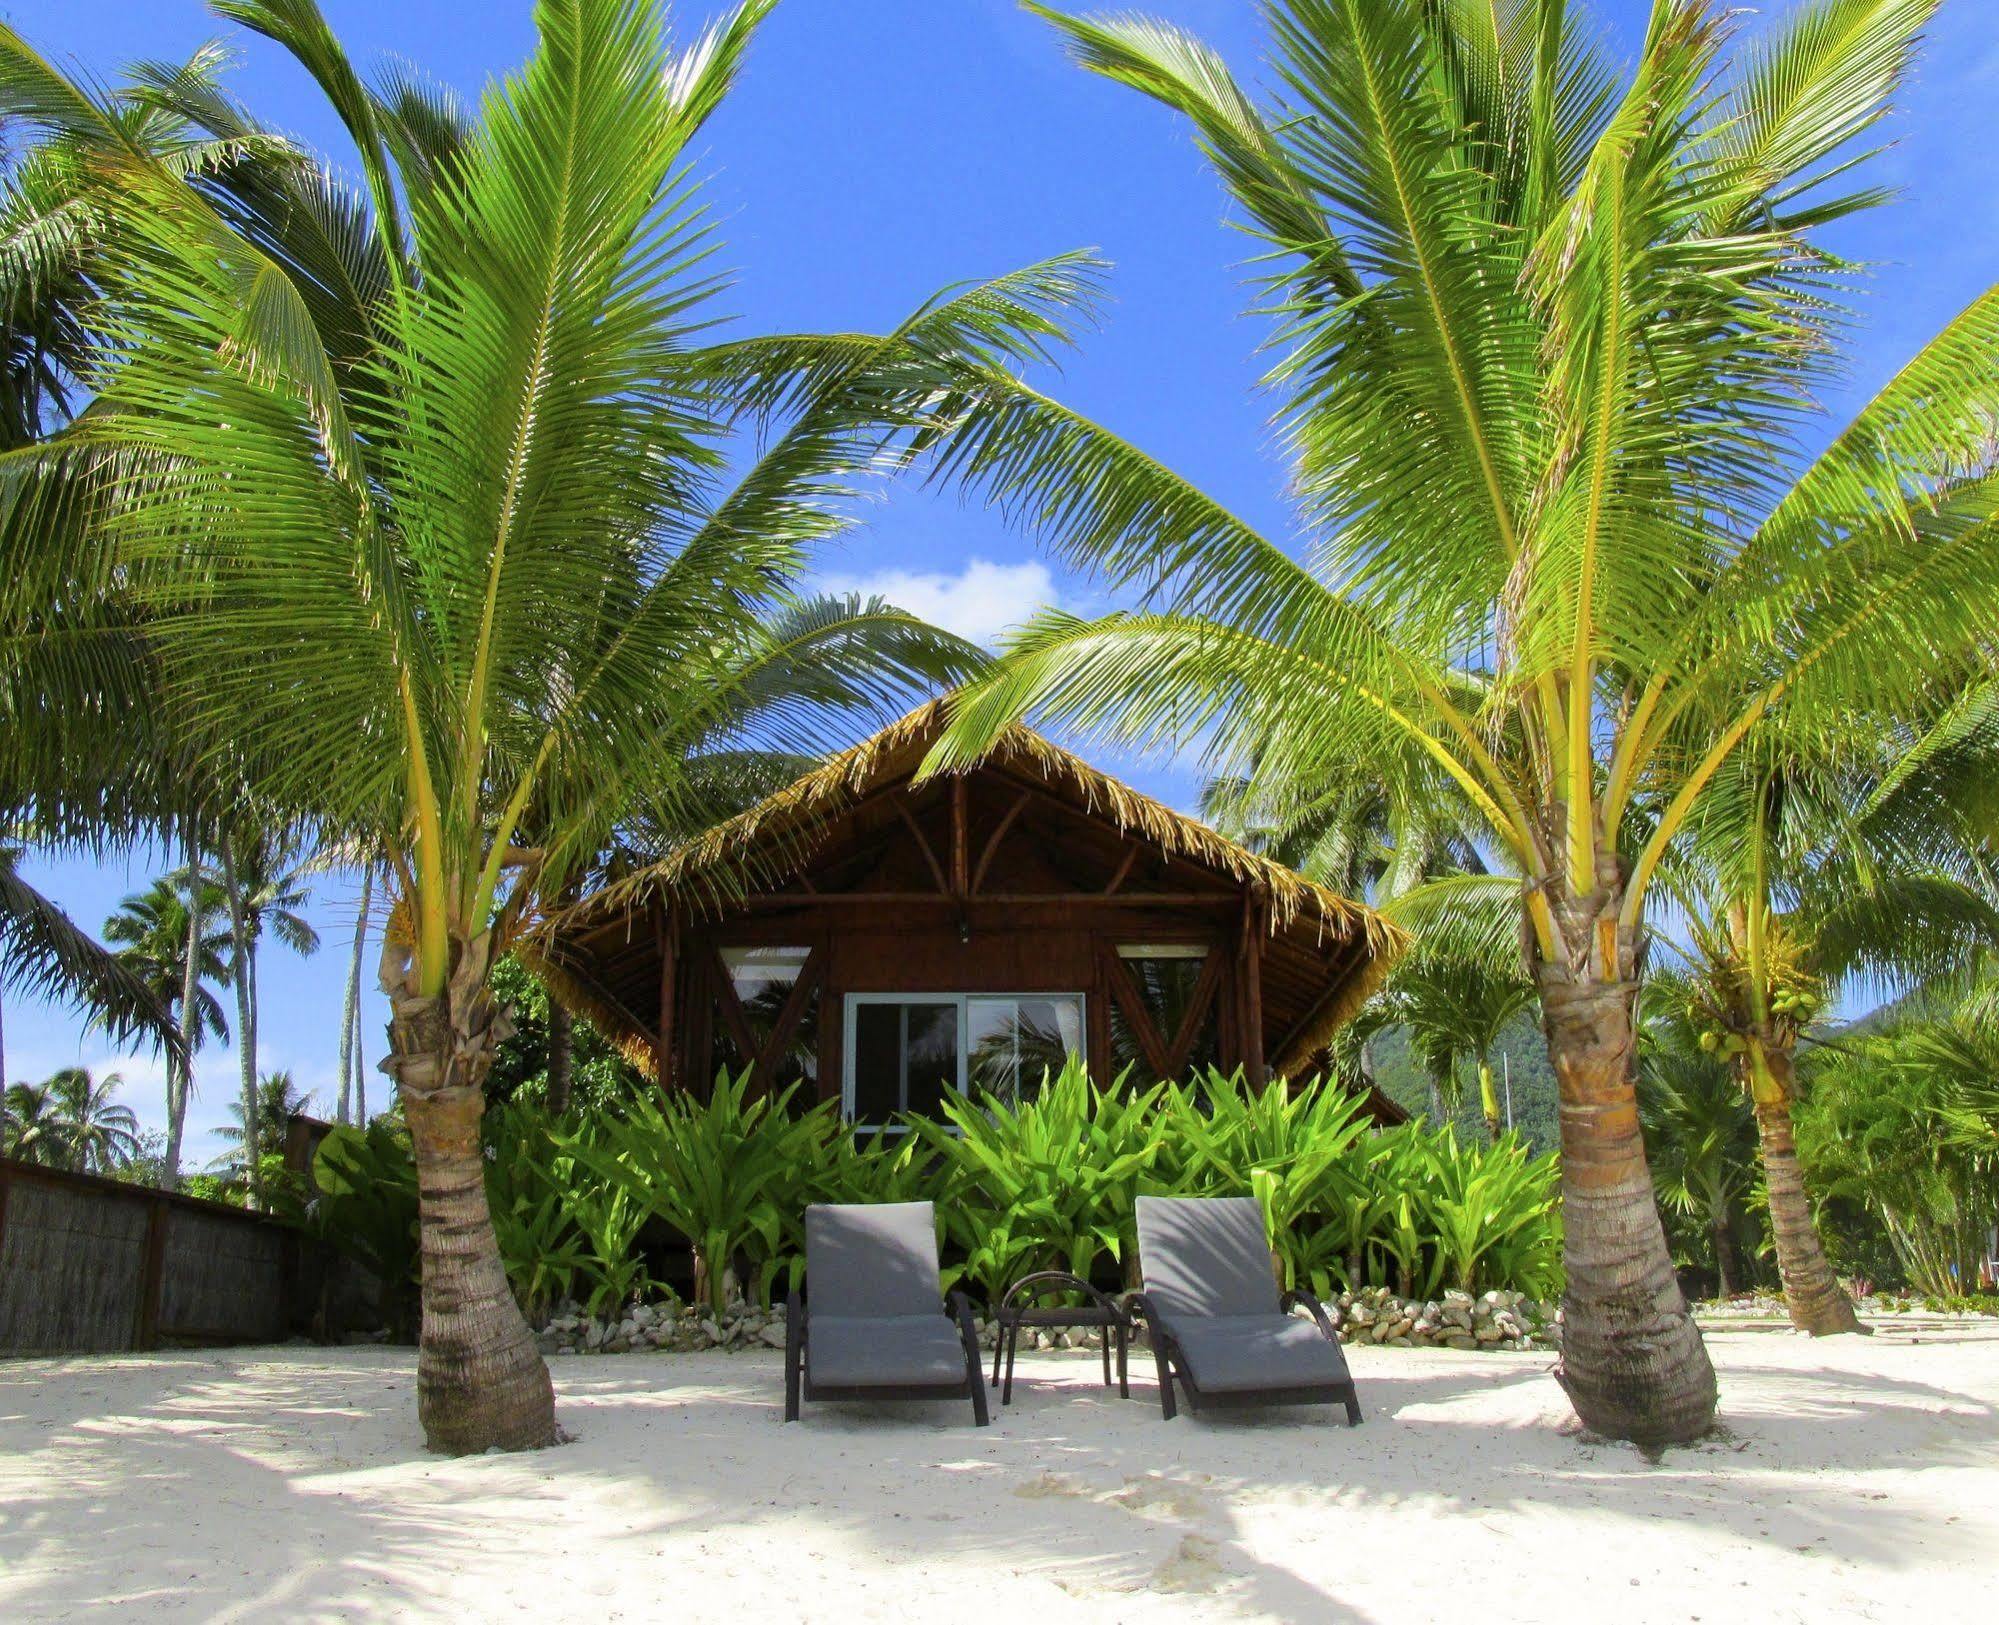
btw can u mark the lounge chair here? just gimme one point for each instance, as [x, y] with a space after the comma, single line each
[1212, 1308]
[870, 1327]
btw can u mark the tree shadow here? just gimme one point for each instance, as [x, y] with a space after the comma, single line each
[293, 1482]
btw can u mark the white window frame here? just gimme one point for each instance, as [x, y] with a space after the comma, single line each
[850, 1006]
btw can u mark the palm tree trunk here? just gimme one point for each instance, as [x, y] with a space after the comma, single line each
[1817, 1302]
[1488, 1099]
[246, 1018]
[561, 1056]
[1632, 1359]
[360, 1075]
[1724, 1252]
[350, 1012]
[180, 1076]
[480, 1380]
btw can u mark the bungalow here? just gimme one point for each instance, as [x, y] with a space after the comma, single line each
[879, 938]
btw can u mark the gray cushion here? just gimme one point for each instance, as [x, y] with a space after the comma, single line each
[884, 1351]
[872, 1259]
[1205, 1255]
[1240, 1354]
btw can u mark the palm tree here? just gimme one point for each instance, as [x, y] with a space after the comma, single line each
[1699, 1130]
[442, 543]
[1808, 876]
[263, 887]
[164, 938]
[352, 1106]
[43, 951]
[1455, 1011]
[28, 1129]
[1548, 340]
[96, 1133]
[278, 1101]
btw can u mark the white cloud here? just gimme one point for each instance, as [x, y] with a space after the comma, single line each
[979, 602]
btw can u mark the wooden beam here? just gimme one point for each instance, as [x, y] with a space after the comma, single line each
[1123, 869]
[732, 1010]
[923, 845]
[993, 840]
[791, 1012]
[1198, 1001]
[1136, 1016]
[1252, 968]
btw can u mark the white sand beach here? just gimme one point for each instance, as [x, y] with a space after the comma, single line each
[1856, 1479]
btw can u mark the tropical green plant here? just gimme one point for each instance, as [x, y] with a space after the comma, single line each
[1045, 1183]
[1546, 338]
[1700, 1133]
[1492, 1215]
[524, 1066]
[721, 1171]
[529, 1180]
[279, 1100]
[426, 498]
[1454, 1009]
[28, 1129]
[264, 889]
[1906, 1119]
[366, 1206]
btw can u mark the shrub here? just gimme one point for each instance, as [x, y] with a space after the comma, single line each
[1048, 1183]
[367, 1208]
[722, 1171]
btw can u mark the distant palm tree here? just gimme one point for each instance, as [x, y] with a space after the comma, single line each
[97, 1133]
[28, 1129]
[278, 1102]
[264, 887]
[154, 931]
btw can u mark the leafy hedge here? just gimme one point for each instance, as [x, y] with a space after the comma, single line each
[1047, 1184]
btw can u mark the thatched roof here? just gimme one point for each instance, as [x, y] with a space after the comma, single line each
[771, 842]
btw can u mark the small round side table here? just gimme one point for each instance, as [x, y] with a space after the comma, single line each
[1099, 1312]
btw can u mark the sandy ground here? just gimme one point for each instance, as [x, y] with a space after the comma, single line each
[1855, 1480]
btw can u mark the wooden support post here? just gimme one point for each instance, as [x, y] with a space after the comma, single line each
[1252, 971]
[1198, 1000]
[666, 922]
[961, 878]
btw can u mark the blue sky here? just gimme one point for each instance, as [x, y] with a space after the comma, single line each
[879, 149]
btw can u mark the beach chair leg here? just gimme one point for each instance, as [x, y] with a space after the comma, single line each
[1353, 1409]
